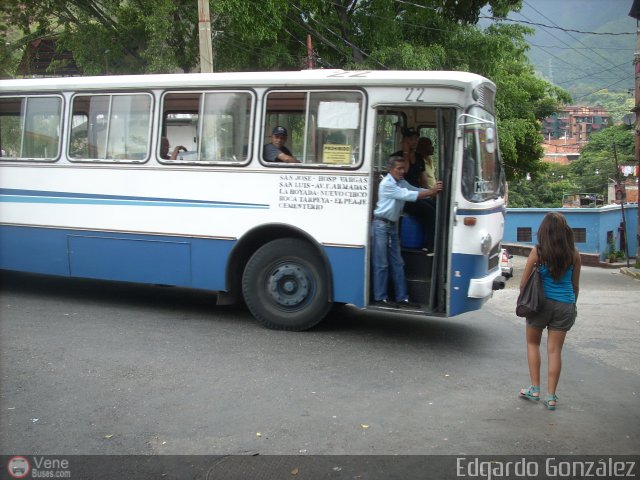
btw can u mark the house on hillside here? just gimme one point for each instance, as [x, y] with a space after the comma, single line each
[575, 124]
[561, 151]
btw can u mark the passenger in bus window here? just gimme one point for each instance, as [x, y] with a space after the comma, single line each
[393, 192]
[425, 150]
[423, 210]
[276, 151]
[414, 163]
[164, 149]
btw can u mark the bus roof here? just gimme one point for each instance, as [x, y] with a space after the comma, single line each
[321, 77]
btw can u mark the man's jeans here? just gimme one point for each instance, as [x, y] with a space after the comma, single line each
[386, 256]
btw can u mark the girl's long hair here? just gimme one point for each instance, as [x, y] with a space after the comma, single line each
[556, 248]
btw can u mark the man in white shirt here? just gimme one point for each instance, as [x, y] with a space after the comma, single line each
[393, 192]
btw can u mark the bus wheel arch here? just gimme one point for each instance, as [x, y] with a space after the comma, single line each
[285, 285]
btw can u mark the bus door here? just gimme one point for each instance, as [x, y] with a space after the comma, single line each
[477, 214]
[426, 270]
[441, 274]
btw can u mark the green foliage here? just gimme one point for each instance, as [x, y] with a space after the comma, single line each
[125, 36]
[613, 253]
[598, 156]
[542, 191]
[601, 144]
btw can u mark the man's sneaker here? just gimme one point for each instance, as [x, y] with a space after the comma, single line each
[385, 303]
[409, 304]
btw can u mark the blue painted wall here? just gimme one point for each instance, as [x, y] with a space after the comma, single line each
[596, 221]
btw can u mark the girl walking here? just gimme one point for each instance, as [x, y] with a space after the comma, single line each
[559, 263]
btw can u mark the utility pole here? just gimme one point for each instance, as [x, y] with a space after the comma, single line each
[310, 63]
[635, 13]
[204, 30]
[620, 185]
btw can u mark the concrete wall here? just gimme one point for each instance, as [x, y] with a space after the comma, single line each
[596, 222]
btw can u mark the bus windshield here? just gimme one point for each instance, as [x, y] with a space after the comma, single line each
[481, 170]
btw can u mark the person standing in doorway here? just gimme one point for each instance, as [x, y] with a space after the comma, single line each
[423, 210]
[393, 192]
[559, 264]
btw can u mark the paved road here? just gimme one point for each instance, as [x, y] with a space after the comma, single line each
[92, 367]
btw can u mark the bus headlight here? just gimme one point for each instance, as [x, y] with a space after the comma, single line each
[485, 244]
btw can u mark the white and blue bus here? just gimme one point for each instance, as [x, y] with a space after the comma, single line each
[87, 191]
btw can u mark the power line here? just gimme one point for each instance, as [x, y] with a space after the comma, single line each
[592, 74]
[499, 19]
[347, 42]
[583, 48]
[590, 59]
[574, 67]
[603, 88]
[570, 35]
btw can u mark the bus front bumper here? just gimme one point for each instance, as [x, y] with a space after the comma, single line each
[482, 287]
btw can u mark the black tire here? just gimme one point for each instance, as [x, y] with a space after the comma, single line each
[285, 285]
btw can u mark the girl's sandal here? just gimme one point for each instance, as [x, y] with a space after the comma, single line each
[529, 393]
[551, 398]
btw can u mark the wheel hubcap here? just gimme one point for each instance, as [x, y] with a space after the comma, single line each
[288, 285]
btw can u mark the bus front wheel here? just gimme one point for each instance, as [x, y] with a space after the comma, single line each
[285, 285]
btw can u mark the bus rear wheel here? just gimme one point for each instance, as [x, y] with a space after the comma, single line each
[285, 285]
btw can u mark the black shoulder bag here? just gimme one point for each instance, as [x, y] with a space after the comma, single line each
[531, 296]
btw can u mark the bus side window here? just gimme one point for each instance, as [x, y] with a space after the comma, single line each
[79, 142]
[30, 127]
[337, 116]
[287, 109]
[110, 127]
[213, 126]
[324, 127]
[10, 126]
[129, 124]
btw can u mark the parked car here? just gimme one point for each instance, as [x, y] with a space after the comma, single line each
[506, 265]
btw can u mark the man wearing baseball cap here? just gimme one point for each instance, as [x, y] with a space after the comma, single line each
[276, 151]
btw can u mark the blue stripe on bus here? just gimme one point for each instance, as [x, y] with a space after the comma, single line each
[9, 195]
[156, 259]
[464, 267]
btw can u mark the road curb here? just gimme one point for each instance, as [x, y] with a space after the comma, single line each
[631, 272]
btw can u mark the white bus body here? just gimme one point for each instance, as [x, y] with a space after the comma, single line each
[85, 192]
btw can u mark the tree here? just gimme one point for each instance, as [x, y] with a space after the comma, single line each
[597, 163]
[545, 190]
[125, 36]
[111, 36]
